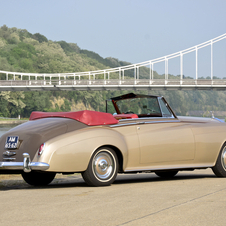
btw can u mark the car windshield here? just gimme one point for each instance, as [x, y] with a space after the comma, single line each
[139, 106]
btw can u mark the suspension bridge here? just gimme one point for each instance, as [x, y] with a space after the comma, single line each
[140, 76]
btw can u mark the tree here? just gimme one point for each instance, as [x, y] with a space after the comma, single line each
[39, 37]
[12, 101]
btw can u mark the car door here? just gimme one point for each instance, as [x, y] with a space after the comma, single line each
[165, 140]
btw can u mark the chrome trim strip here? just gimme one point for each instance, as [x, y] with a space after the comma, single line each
[162, 121]
[137, 123]
[9, 153]
[145, 118]
[171, 168]
[26, 165]
[159, 98]
[9, 159]
[127, 124]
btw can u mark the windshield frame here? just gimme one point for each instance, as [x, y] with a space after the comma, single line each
[116, 100]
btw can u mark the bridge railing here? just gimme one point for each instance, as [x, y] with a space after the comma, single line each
[113, 82]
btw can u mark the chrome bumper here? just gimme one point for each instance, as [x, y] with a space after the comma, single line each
[26, 165]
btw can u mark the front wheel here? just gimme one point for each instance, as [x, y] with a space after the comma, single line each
[38, 178]
[220, 167]
[102, 169]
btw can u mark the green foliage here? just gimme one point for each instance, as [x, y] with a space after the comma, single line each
[109, 61]
[40, 38]
[69, 48]
[36, 101]
[24, 50]
[11, 103]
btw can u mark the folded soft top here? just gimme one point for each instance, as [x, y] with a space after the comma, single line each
[91, 118]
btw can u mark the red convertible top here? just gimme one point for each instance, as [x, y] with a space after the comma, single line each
[90, 118]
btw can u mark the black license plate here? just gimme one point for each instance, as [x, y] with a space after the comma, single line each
[11, 142]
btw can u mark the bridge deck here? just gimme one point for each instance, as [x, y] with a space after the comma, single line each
[113, 84]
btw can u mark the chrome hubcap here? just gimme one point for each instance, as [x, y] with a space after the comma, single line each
[103, 165]
[223, 158]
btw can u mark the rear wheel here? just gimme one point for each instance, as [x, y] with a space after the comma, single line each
[38, 178]
[102, 169]
[166, 174]
[220, 168]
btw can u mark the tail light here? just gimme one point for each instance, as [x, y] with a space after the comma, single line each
[41, 149]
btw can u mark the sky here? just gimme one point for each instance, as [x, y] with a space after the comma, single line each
[129, 30]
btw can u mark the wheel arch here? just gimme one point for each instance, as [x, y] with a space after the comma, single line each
[219, 151]
[219, 168]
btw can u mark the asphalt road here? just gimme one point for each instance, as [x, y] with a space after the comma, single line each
[191, 198]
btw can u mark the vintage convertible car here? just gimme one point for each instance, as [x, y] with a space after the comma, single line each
[142, 135]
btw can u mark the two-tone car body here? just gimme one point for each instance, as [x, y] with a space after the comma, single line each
[143, 135]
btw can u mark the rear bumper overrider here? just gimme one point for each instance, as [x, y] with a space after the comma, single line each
[27, 166]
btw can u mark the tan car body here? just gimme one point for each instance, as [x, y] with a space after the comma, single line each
[145, 144]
